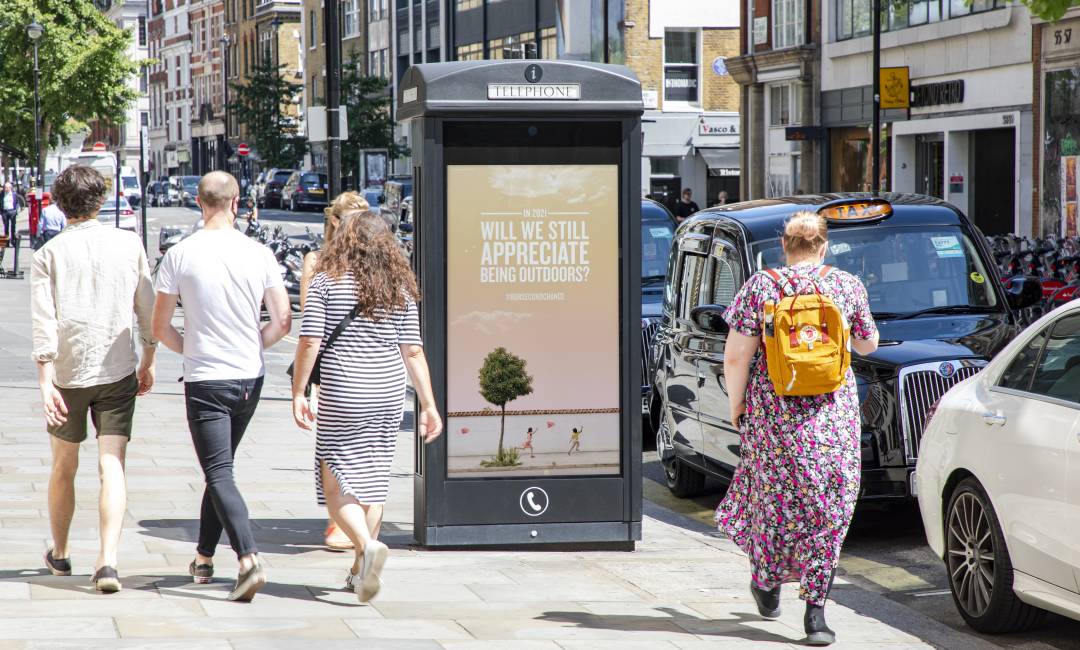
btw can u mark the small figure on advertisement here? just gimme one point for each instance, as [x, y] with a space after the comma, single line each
[528, 442]
[575, 440]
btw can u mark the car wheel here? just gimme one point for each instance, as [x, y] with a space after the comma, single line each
[683, 480]
[980, 571]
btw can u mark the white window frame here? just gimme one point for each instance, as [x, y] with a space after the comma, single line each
[794, 104]
[788, 23]
[673, 105]
[351, 16]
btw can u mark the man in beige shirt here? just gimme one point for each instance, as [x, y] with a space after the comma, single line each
[86, 283]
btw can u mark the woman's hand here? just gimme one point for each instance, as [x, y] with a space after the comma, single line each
[302, 412]
[738, 410]
[431, 424]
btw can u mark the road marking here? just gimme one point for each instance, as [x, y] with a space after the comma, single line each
[935, 592]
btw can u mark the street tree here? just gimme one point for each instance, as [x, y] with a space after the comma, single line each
[367, 102]
[1050, 10]
[261, 106]
[84, 68]
[503, 379]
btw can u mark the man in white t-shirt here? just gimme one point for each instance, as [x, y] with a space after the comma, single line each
[223, 279]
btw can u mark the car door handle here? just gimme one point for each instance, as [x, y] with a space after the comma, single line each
[992, 418]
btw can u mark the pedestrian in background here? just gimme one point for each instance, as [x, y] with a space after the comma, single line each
[686, 206]
[9, 208]
[793, 494]
[362, 330]
[84, 288]
[334, 538]
[53, 220]
[224, 279]
[722, 198]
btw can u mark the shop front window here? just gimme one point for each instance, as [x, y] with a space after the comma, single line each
[1061, 153]
[851, 168]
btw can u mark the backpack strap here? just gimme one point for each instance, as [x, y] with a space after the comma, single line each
[779, 281]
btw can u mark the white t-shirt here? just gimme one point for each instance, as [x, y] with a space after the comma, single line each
[221, 277]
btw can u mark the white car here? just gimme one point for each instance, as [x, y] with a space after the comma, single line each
[998, 480]
[128, 220]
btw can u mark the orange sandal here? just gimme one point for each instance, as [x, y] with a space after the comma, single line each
[336, 540]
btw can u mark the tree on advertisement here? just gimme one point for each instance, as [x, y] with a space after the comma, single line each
[371, 126]
[259, 105]
[84, 70]
[503, 378]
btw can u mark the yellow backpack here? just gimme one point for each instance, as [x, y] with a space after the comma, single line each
[806, 339]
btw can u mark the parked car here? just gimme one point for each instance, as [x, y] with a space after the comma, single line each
[130, 186]
[999, 481]
[128, 220]
[374, 196]
[270, 192]
[657, 233]
[188, 186]
[305, 190]
[929, 276]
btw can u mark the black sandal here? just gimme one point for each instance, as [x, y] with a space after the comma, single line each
[106, 580]
[57, 566]
[201, 573]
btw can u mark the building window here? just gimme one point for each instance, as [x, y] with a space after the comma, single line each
[462, 5]
[515, 46]
[377, 10]
[144, 118]
[787, 18]
[315, 101]
[142, 31]
[664, 166]
[548, 47]
[313, 28]
[351, 23]
[470, 52]
[144, 80]
[854, 16]
[681, 66]
[784, 105]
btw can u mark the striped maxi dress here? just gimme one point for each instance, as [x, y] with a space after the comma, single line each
[362, 395]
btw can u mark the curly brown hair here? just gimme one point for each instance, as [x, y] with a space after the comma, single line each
[365, 247]
[80, 191]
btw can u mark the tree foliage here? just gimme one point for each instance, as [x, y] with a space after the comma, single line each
[260, 105]
[371, 126]
[1050, 10]
[503, 379]
[84, 68]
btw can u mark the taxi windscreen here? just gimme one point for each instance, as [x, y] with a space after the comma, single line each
[905, 269]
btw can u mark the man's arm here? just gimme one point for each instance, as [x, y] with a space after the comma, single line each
[277, 304]
[162, 326]
[46, 339]
[144, 311]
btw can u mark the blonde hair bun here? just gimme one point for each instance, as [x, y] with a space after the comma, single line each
[805, 232]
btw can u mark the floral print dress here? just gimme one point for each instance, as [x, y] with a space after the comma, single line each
[793, 494]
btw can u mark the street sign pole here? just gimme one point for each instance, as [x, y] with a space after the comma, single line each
[875, 138]
[116, 183]
[333, 99]
[142, 182]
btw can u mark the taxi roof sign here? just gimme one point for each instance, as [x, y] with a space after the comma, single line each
[850, 210]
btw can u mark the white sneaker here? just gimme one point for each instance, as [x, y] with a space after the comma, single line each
[369, 583]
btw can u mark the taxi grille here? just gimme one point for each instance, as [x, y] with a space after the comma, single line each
[921, 387]
[648, 334]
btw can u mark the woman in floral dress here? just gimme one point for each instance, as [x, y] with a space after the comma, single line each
[792, 497]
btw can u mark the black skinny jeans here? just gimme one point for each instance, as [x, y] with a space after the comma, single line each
[218, 413]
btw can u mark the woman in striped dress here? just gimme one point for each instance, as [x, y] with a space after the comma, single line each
[363, 375]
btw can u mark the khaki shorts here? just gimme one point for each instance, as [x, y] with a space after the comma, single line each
[111, 408]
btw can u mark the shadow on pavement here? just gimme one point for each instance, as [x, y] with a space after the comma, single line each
[280, 536]
[675, 622]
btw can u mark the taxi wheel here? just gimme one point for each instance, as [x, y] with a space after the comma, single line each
[980, 570]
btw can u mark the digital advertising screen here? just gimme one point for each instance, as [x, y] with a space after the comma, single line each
[532, 320]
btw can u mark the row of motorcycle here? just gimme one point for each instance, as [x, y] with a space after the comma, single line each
[1055, 261]
[288, 250]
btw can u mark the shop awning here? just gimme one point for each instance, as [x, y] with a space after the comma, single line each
[720, 158]
[659, 150]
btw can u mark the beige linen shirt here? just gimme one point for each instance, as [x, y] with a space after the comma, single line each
[85, 284]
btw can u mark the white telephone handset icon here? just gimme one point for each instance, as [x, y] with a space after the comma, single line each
[532, 502]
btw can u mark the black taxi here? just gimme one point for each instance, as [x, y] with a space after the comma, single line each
[932, 286]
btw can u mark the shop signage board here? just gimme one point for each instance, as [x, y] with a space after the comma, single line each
[895, 87]
[1061, 39]
[718, 125]
[933, 94]
[525, 214]
[799, 133]
[761, 30]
